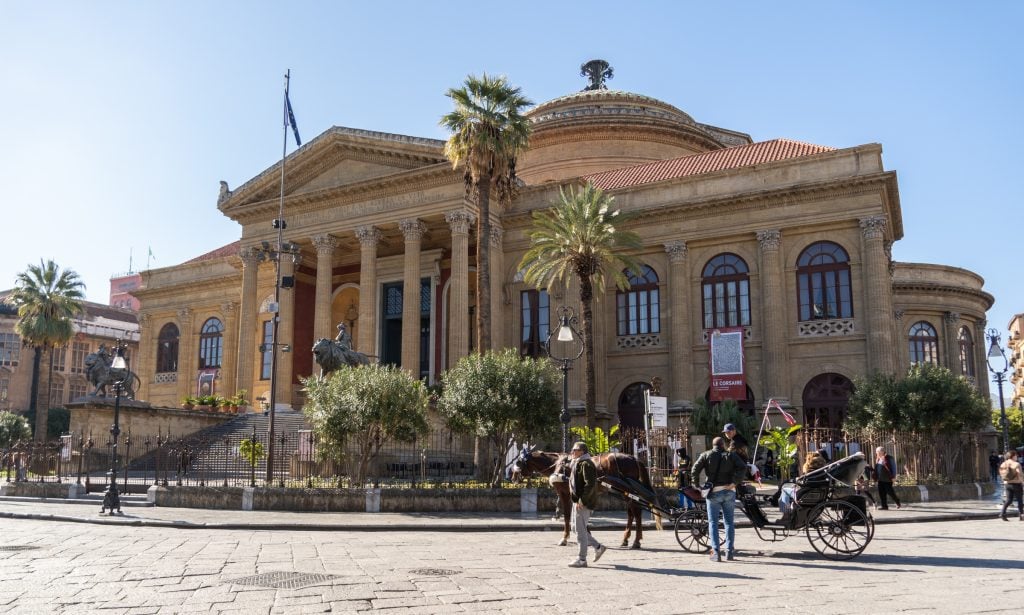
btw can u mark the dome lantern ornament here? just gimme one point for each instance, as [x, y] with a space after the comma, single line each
[598, 71]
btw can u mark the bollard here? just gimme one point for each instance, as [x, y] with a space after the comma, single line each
[528, 501]
[247, 497]
[373, 500]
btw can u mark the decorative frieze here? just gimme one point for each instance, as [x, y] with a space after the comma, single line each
[825, 328]
[652, 340]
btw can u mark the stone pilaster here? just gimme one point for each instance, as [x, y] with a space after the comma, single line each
[413, 231]
[878, 296]
[773, 315]
[680, 346]
[187, 359]
[286, 335]
[369, 237]
[951, 326]
[981, 353]
[144, 363]
[229, 364]
[902, 358]
[247, 323]
[458, 303]
[322, 325]
[498, 325]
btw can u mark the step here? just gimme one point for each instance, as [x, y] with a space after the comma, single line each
[93, 499]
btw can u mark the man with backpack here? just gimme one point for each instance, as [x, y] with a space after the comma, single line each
[725, 471]
[1013, 484]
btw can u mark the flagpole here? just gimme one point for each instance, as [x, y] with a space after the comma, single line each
[279, 224]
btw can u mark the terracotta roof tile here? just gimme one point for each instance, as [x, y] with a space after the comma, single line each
[698, 164]
[228, 250]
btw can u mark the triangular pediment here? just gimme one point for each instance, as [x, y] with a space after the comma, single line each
[337, 158]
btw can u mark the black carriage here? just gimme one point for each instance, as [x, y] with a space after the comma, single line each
[838, 525]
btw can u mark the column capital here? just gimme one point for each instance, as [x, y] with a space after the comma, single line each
[460, 220]
[951, 318]
[496, 235]
[676, 251]
[769, 239]
[368, 236]
[873, 227]
[250, 256]
[185, 315]
[412, 228]
[898, 314]
[325, 244]
[228, 307]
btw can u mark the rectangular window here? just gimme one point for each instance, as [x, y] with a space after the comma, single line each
[10, 349]
[77, 390]
[56, 394]
[78, 352]
[60, 358]
[535, 323]
[266, 361]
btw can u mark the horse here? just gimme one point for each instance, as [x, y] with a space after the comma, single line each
[555, 467]
[608, 464]
[100, 375]
[330, 355]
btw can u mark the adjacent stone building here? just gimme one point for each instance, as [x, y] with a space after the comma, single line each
[788, 242]
[1015, 352]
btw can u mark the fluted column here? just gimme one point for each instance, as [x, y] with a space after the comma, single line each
[458, 310]
[981, 359]
[187, 359]
[680, 347]
[286, 335]
[413, 231]
[144, 364]
[229, 362]
[951, 323]
[878, 296]
[246, 349]
[322, 325]
[773, 316]
[902, 359]
[498, 325]
[368, 237]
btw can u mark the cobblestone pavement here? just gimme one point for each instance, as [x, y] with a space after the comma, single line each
[968, 566]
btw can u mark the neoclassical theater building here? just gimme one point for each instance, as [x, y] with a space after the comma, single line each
[787, 240]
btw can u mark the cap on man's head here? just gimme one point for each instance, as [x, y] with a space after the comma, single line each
[580, 446]
[728, 427]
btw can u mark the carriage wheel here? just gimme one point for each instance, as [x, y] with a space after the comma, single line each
[692, 531]
[839, 530]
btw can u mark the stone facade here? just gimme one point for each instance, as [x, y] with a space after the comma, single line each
[379, 217]
[1015, 352]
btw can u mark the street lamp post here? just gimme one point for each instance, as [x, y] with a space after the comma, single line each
[995, 352]
[118, 373]
[568, 335]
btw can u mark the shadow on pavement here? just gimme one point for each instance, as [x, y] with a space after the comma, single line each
[688, 573]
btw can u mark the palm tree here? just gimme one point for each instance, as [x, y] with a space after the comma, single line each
[581, 236]
[47, 300]
[488, 133]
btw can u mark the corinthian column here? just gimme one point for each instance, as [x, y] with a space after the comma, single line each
[680, 352]
[247, 320]
[187, 359]
[413, 230]
[878, 296]
[458, 303]
[229, 364]
[368, 237]
[773, 351]
[325, 245]
[497, 284]
[951, 320]
[145, 362]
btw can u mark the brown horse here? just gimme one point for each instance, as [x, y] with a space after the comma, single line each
[608, 464]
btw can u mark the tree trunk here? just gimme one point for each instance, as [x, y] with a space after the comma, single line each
[43, 397]
[36, 356]
[589, 395]
[483, 263]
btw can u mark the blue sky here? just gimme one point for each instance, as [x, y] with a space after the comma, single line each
[123, 116]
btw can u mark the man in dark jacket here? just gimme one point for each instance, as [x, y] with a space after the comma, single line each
[737, 443]
[583, 491]
[725, 469]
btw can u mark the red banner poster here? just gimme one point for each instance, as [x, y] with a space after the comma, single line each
[728, 380]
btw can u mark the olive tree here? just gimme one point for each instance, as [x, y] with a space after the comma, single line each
[13, 428]
[499, 395]
[369, 405]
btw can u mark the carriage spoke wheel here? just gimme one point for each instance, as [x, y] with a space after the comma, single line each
[839, 530]
[692, 531]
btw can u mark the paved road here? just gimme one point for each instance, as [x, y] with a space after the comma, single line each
[968, 566]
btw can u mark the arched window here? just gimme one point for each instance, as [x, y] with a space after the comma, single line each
[726, 292]
[211, 344]
[167, 348]
[924, 344]
[966, 352]
[637, 308]
[823, 282]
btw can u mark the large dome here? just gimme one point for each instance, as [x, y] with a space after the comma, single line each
[600, 130]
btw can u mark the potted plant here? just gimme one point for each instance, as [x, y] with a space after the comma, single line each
[188, 403]
[206, 403]
[240, 402]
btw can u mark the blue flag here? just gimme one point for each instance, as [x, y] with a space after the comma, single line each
[291, 119]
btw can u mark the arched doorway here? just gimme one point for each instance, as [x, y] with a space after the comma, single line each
[826, 401]
[631, 406]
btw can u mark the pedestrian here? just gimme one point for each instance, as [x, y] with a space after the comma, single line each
[583, 491]
[885, 475]
[737, 443]
[725, 471]
[1013, 484]
[683, 478]
[993, 465]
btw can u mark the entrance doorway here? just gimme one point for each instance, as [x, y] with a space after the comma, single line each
[391, 325]
[826, 401]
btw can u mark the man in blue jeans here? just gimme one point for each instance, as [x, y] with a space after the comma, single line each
[725, 470]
